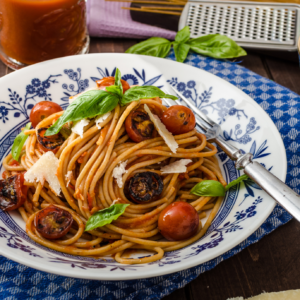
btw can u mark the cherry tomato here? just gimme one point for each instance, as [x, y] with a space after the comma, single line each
[49, 143]
[138, 125]
[178, 221]
[13, 192]
[43, 110]
[145, 186]
[179, 119]
[53, 222]
[108, 81]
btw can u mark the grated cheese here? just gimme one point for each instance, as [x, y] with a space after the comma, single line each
[178, 166]
[78, 127]
[162, 130]
[118, 173]
[69, 177]
[101, 119]
[45, 169]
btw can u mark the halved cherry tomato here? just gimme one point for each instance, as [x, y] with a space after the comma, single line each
[145, 187]
[53, 222]
[43, 110]
[49, 143]
[13, 192]
[179, 119]
[108, 81]
[138, 125]
[178, 221]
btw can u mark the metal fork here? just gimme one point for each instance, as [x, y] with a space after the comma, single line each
[278, 190]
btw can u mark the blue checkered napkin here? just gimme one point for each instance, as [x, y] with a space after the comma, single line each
[20, 282]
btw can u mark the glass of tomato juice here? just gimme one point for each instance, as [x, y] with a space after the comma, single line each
[32, 31]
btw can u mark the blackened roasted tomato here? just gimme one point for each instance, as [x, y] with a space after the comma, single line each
[138, 125]
[108, 81]
[179, 119]
[144, 187]
[53, 222]
[178, 221]
[43, 110]
[12, 192]
[49, 143]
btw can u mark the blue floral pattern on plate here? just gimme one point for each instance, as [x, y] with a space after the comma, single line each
[224, 108]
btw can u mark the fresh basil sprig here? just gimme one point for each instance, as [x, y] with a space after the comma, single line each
[143, 92]
[98, 102]
[105, 216]
[212, 188]
[235, 182]
[213, 45]
[208, 188]
[88, 105]
[19, 142]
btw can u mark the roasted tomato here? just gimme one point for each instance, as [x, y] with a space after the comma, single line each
[108, 81]
[139, 127]
[43, 110]
[49, 143]
[53, 222]
[12, 192]
[179, 119]
[178, 221]
[144, 187]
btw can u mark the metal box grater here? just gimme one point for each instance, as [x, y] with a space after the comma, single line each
[251, 24]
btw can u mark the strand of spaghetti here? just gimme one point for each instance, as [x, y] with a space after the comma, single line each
[88, 244]
[6, 165]
[147, 242]
[36, 195]
[32, 144]
[120, 248]
[144, 260]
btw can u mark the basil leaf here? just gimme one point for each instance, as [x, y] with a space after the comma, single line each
[88, 105]
[143, 92]
[216, 46]
[105, 216]
[209, 188]
[118, 80]
[235, 182]
[181, 51]
[113, 89]
[155, 46]
[183, 35]
[19, 143]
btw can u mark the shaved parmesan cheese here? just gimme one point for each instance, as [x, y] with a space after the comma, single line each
[73, 98]
[101, 119]
[118, 173]
[162, 130]
[69, 177]
[178, 166]
[79, 127]
[115, 201]
[45, 169]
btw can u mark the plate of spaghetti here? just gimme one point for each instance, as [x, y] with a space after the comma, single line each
[102, 180]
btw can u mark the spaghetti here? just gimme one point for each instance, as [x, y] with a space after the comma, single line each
[85, 174]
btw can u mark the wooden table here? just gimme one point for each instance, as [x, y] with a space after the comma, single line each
[273, 263]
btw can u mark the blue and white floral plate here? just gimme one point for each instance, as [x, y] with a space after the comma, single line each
[243, 121]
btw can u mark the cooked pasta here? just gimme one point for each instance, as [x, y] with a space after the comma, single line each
[85, 173]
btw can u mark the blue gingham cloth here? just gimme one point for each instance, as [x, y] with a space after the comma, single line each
[282, 105]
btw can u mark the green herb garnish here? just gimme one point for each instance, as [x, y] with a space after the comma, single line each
[213, 45]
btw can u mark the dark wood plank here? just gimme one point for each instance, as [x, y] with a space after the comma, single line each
[270, 265]
[284, 72]
[105, 45]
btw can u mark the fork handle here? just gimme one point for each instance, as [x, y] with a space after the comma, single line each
[278, 190]
[233, 152]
